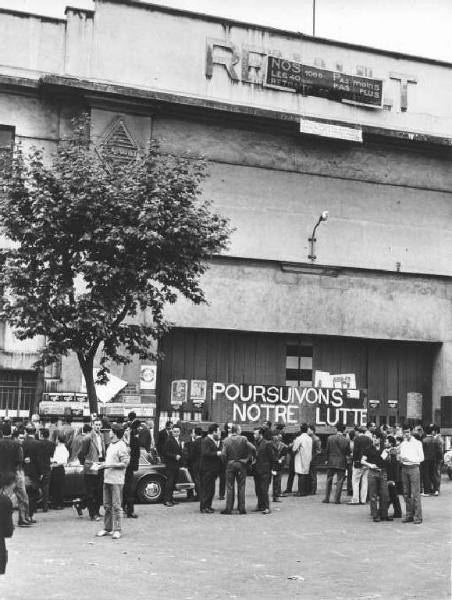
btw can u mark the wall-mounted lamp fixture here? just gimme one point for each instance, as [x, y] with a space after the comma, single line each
[312, 240]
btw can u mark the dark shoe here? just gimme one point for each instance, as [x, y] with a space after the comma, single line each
[395, 516]
[23, 524]
[45, 510]
[204, 511]
[31, 520]
[170, 504]
[376, 519]
[325, 501]
[337, 502]
[174, 501]
[286, 493]
[226, 512]
[242, 512]
[407, 520]
[210, 510]
[387, 519]
[220, 497]
[132, 516]
[417, 521]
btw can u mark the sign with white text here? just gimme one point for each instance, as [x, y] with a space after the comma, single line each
[333, 85]
[291, 405]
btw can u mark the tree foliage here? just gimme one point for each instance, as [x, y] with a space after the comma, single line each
[95, 246]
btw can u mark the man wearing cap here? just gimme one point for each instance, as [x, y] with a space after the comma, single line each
[411, 456]
[116, 461]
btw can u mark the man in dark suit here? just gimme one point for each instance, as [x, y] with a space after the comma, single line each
[209, 467]
[133, 440]
[172, 455]
[162, 437]
[32, 470]
[92, 457]
[193, 457]
[433, 455]
[236, 454]
[46, 448]
[337, 450]
[262, 469]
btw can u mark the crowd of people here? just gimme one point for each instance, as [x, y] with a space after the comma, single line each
[378, 463]
[34, 456]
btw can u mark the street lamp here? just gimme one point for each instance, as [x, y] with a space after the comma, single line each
[312, 240]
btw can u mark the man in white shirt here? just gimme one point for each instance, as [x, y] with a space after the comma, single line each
[411, 455]
[116, 461]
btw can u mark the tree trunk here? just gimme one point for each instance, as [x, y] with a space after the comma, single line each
[86, 365]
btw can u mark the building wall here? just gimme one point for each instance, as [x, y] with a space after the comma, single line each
[387, 370]
[390, 204]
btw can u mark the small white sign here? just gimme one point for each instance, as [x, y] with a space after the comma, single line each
[148, 377]
[198, 390]
[414, 405]
[330, 130]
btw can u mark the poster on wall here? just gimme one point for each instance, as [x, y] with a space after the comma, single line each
[198, 391]
[414, 405]
[323, 379]
[179, 392]
[148, 377]
[344, 381]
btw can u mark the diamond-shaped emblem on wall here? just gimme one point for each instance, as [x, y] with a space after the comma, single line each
[118, 145]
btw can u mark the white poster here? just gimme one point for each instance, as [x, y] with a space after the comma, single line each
[323, 379]
[344, 381]
[148, 377]
[198, 390]
[414, 405]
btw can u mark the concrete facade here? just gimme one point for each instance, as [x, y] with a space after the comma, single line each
[384, 257]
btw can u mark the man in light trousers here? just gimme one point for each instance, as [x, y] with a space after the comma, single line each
[116, 461]
[411, 455]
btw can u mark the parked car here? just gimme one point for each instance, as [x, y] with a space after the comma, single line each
[149, 480]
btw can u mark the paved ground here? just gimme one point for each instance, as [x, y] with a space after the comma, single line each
[305, 549]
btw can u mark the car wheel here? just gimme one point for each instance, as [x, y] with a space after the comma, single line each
[150, 490]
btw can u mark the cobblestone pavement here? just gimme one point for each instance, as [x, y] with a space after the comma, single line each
[304, 549]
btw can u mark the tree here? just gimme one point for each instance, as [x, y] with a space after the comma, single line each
[93, 246]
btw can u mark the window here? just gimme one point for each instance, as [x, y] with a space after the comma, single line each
[299, 364]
